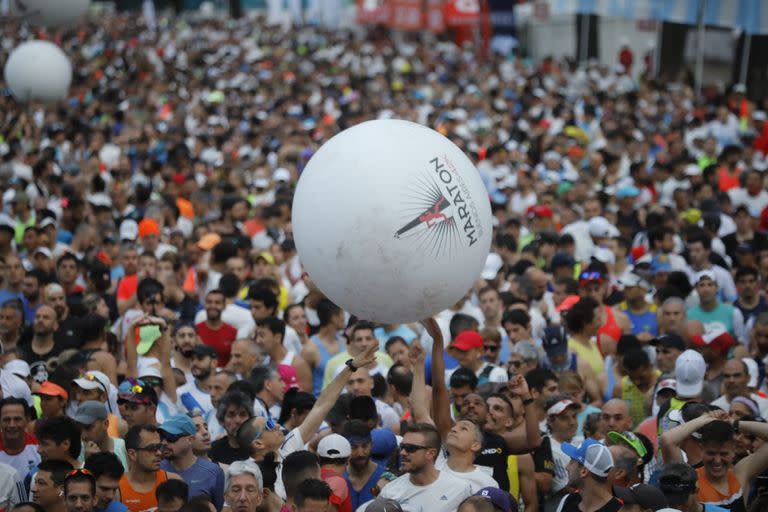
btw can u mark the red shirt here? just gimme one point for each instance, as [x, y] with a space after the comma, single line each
[220, 339]
[338, 485]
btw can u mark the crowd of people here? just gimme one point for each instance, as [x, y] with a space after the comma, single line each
[163, 349]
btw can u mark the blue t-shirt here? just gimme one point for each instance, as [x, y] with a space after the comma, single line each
[204, 477]
[114, 506]
[403, 331]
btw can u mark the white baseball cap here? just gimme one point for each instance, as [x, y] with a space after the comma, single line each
[689, 374]
[334, 446]
[754, 373]
[94, 379]
[129, 230]
[600, 227]
[18, 367]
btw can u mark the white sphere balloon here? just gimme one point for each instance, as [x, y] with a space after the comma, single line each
[392, 221]
[51, 13]
[38, 71]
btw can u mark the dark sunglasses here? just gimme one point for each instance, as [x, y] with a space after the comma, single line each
[491, 348]
[151, 448]
[516, 364]
[80, 471]
[591, 276]
[412, 448]
[171, 438]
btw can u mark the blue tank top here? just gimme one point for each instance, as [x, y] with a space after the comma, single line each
[643, 322]
[365, 494]
[319, 371]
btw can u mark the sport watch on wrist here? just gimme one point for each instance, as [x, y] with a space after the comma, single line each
[350, 364]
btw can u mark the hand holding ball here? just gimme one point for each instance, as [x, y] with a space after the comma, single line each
[38, 71]
[392, 221]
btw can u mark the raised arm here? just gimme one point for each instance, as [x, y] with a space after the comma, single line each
[441, 402]
[527, 436]
[331, 393]
[169, 379]
[672, 439]
[754, 464]
[419, 400]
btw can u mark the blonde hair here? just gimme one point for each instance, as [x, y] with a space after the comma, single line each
[570, 380]
[489, 333]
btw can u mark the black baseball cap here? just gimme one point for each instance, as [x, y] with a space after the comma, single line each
[202, 350]
[670, 340]
[647, 496]
[678, 482]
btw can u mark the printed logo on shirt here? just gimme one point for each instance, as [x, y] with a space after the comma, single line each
[443, 498]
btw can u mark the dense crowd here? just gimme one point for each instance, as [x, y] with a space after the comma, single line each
[163, 349]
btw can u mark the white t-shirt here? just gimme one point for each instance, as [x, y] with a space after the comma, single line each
[561, 460]
[443, 495]
[11, 487]
[292, 443]
[236, 316]
[388, 416]
[481, 476]
[497, 374]
[203, 399]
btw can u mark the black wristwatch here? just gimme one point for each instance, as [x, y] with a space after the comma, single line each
[736, 426]
[350, 364]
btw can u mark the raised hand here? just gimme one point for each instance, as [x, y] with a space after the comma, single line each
[416, 354]
[366, 358]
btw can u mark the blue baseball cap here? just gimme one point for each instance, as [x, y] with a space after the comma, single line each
[383, 443]
[179, 425]
[592, 454]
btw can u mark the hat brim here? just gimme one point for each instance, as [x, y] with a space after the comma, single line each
[88, 384]
[571, 451]
[86, 419]
[689, 390]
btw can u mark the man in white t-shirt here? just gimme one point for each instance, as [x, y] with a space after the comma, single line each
[467, 349]
[264, 437]
[463, 443]
[196, 393]
[423, 487]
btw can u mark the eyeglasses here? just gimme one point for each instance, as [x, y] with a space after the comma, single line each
[516, 364]
[269, 426]
[151, 448]
[412, 448]
[80, 471]
[491, 348]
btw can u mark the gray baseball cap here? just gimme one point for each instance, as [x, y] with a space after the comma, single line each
[90, 411]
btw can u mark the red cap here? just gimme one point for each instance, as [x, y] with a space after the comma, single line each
[718, 340]
[48, 388]
[568, 303]
[468, 340]
[539, 211]
[148, 227]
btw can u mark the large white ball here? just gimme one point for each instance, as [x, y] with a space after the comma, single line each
[38, 71]
[392, 221]
[51, 13]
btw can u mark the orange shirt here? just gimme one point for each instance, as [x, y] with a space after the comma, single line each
[728, 181]
[708, 493]
[140, 501]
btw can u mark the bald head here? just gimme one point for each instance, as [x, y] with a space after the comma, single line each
[736, 378]
[243, 357]
[625, 462]
[616, 415]
[360, 383]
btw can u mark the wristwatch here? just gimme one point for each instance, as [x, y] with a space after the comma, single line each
[736, 426]
[350, 364]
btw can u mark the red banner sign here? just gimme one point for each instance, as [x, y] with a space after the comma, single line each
[373, 12]
[462, 13]
[407, 15]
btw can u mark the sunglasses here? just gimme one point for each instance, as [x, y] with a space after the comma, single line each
[516, 364]
[591, 276]
[491, 348]
[412, 448]
[152, 382]
[151, 448]
[81, 471]
[171, 438]
[269, 426]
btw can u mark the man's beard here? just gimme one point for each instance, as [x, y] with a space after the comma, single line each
[203, 374]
